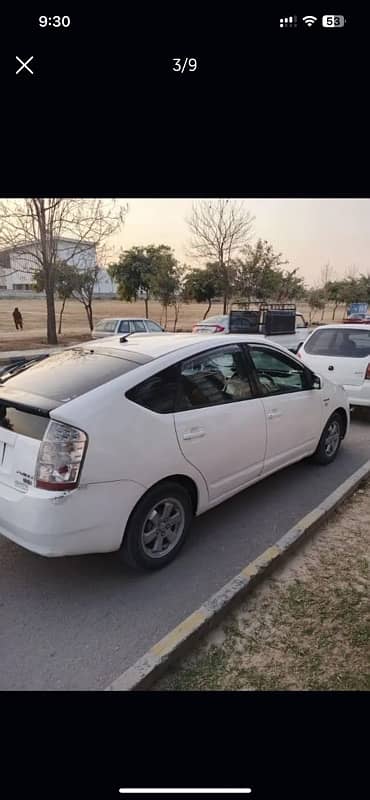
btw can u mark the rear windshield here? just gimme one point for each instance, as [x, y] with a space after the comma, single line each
[22, 422]
[337, 342]
[213, 320]
[69, 374]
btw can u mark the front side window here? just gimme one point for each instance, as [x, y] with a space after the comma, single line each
[214, 378]
[277, 373]
[348, 343]
[157, 393]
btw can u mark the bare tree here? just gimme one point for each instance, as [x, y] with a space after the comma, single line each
[32, 227]
[327, 273]
[352, 272]
[218, 230]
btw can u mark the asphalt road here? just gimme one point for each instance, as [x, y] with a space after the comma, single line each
[77, 623]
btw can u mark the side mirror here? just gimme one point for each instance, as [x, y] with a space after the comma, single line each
[316, 382]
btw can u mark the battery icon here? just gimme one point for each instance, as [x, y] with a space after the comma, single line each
[333, 21]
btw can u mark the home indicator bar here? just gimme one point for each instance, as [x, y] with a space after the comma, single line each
[185, 791]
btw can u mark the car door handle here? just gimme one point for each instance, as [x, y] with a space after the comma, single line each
[194, 433]
[274, 414]
[331, 368]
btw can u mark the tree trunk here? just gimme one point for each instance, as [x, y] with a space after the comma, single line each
[335, 308]
[165, 316]
[146, 306]
[323, 313]
[88, 309]
[51, 326]
[61, 314]
[208, 309]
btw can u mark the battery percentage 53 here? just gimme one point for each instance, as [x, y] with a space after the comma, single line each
[184, 65]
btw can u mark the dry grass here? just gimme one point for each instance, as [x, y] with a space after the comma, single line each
[306, 628]
[75, 325]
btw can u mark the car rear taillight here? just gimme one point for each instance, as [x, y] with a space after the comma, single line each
[219, 328]
[367, 373]
[298, 355]
[60, 457]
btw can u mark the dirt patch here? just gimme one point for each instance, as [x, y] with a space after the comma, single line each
[75, 321]
[305, 628]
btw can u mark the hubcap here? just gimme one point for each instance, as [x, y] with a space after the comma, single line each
[332, 438]
[163, 528]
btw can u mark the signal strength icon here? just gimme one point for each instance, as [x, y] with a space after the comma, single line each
[309, 21]
[288, 22]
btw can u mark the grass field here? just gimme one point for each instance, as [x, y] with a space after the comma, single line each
[75, 326]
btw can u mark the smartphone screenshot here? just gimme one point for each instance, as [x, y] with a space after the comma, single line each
[184, 401]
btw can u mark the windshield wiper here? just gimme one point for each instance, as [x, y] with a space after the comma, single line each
[16, 368]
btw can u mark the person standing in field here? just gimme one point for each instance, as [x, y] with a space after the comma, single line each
[18, 319]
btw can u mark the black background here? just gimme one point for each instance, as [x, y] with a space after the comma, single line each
[269, 112]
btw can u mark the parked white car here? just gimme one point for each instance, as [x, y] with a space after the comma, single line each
[341, 353]
[117, 445]
[115, 325]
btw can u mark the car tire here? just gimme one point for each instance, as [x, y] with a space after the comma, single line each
[330, 440]
[158, 527]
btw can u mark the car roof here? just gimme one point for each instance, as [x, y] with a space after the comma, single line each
[106, 319]
[155, 345]
[343, 326]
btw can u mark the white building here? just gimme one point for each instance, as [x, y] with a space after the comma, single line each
[18, 265]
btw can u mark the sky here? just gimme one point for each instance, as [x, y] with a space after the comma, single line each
[308, 232]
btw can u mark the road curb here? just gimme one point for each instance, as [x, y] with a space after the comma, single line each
[164, 653]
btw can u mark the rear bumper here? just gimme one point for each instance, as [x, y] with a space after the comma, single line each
[358, 395]
[90, 519]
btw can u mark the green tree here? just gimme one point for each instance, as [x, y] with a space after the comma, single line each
[134, 272]
[337, 292]
[166, 277]
[316, 300]
[84, 290]
[259, 275]
[66, 281]
[203, 286]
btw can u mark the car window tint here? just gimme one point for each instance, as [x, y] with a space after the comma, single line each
[138, 326]
[299, 323]
[124, 326]
[153, 326]
[158, 392]
[276, 373]
[348, 343]
[214, 378]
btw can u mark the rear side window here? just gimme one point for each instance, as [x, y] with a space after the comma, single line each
[348, 343]
[152, 326]
[100, 326]
[110, 325]
[157, 393]
[138, 326]
[69, 374]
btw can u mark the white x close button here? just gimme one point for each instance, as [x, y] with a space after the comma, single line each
[24, 65]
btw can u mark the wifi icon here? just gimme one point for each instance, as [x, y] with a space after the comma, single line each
[309, 21]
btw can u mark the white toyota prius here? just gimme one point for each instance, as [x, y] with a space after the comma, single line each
[115, 445]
